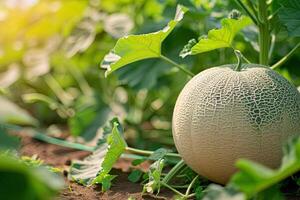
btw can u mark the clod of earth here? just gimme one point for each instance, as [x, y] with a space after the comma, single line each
[222, 115]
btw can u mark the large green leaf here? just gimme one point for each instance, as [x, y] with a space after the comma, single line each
[254, 178]
[138, 47]
[217, 38]
[133, 74]
[95, 168]
[289, 15]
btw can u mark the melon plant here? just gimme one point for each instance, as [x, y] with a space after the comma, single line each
[224, 114]
[233, 111]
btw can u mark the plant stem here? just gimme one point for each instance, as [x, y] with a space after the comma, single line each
[61, 109]
[191, 195]
[64, 143]
[239, 59]
[180, 186]
[286, 57]
[132, 156]
[148, 153]
[278, 178]
[51, 140]
[33, 97]
[180, 67]
[246, 9]
[81, 81]
[273, 40]
[273, 14]
[191, 185]
[264, 34]
[245, 59]
[173, 189]
[252, 7]
[173, 171]
[241, 55]
[60, 142]
[269, 2]
[61, 94]
[45, 138]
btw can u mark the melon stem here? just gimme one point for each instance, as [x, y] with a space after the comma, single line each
[239, 59]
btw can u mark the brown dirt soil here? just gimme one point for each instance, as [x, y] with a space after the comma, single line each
[122, 189]
[61, 157]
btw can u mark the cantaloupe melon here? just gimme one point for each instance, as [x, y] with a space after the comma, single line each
[222, 115]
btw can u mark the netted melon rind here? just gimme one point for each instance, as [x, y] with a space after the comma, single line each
[222, 115]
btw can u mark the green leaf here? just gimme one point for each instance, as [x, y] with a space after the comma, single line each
[289, 15]
[116, 146]
[154, 177]
[95, 168]
[135, 176]
[199, 194]
[273, 193]
[137, 162]
[107, 129]
[187, 48]
[20, 181]
[254, 178]
[89, 116]
[158, 154]
[82, 36]
[217, 192]
[34, 161]
[218, 38]
[13, 114]
[86, 170]
[118, 24]
[133, 74]
[106, 181]
[7, 141]
[250, 34]
[133, 48]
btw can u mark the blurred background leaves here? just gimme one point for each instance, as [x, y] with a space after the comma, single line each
[50, 52]
[50, 75]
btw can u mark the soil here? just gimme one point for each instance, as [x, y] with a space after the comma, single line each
[122, 189]
[61, 157]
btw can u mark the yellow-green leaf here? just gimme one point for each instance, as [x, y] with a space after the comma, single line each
[133, 48]
[219, 38]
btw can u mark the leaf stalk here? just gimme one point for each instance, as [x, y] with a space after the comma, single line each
[286, 57]
[180, 67]
[148, 153]
[173, 171]
[264, 34]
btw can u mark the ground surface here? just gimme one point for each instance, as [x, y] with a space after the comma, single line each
[61, 157]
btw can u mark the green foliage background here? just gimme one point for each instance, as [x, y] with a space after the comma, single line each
[51, 50]
[50, 54]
